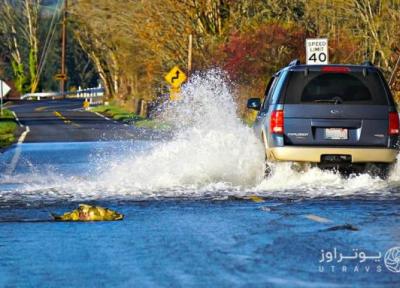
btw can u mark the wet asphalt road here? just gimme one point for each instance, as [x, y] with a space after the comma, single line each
[181, 241]
[168, 238]
[67, 121]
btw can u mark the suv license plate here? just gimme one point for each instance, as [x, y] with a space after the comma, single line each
[336, 134]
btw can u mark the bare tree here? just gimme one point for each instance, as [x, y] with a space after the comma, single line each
[19, 31]
[9, 35]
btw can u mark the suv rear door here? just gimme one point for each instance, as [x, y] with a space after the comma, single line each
[337, 106]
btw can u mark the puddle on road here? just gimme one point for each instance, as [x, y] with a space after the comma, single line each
[212, 154]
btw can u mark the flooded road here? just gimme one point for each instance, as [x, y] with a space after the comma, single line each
[199, 244]
[198, 211]
[187, 236]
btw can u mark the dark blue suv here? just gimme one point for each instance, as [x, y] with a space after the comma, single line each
[334, 116]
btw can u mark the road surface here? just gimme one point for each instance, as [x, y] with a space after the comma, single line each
[67, 121]
[312, 229]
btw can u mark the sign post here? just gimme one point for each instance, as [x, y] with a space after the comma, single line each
[60, 77]
[175, 78]
[317, 51]
[4, 89]
[1, 104]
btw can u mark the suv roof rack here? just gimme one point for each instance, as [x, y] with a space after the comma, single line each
[295, 62]
[367, 63]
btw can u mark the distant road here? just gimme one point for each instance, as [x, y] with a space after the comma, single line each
[66, 121]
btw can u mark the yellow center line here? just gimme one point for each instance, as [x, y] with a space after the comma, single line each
[65, 120]
[40, 109]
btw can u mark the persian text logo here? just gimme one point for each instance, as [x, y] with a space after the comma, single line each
[392, 259]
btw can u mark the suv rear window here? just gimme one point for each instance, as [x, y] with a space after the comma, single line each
[335, 88]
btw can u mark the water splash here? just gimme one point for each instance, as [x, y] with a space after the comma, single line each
[315, 182]
[211, 144]
[212, 153]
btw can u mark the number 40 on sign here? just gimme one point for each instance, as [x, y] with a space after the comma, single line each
[317, 51]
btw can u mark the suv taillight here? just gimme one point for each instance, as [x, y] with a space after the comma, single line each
[276, 122]
[393, 123]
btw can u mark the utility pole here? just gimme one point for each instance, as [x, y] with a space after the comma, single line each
[2, 96]
[190, 48]
[63, 77]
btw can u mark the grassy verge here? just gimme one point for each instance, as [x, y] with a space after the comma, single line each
[7, 128]
[120, 114]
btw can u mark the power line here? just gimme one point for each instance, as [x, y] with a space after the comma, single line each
[63, 48]
[48, 41]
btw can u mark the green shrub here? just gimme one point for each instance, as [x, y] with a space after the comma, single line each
[7, 128]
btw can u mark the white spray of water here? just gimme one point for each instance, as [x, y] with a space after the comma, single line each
[318, 183]
[212, 153]
[211, 144]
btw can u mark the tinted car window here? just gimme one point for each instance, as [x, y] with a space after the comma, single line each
[269, 90]
[337, 88]
[266, 98]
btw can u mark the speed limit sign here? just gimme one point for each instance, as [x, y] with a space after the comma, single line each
[317, 51]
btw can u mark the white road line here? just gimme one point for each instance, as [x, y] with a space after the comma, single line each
[126, 125]
[23, 135]
[102, 116]
[16, 118]
[317, 218]
[17, 154]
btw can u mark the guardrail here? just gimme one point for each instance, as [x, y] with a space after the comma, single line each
[41, 95]
[92, 95]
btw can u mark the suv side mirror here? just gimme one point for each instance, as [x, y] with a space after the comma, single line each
[254, 103]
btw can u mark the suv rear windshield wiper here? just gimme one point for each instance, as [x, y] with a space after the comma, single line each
[336, 100]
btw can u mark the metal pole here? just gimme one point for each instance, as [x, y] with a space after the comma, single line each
[1, 104]
[190, 53]
[63, 48]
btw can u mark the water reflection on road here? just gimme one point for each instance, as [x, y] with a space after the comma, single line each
[198, 234]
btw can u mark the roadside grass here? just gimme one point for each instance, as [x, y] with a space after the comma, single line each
[247, 121]
[120, 114]
[249, 117]
[7, 128]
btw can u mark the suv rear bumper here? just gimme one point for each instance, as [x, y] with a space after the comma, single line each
[313, 154]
